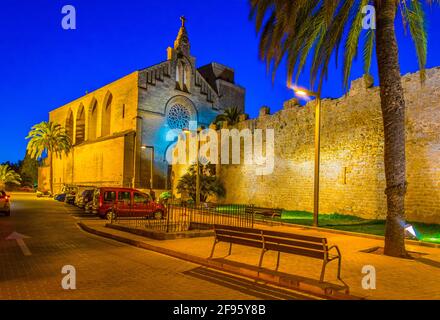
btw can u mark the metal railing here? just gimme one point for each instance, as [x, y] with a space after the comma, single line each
[183, 217]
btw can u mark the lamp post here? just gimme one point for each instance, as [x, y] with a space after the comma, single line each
[198, 172]
[197, 164]
[305, 94]
[144, 147]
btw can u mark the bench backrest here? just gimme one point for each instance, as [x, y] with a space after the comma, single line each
[314, 247]
[244, 236]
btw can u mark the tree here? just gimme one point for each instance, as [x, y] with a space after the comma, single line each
[298, 29]
[8, 175]
[49, 138]
[29, 171]
[230, 115]
[209, 183]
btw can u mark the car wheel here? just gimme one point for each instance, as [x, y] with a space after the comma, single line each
[158, 215]
[110, 215]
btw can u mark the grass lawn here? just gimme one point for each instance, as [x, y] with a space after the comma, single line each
[425, 232]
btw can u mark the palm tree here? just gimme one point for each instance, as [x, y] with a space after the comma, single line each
[50, 138]
[230, 115]
[8, 175]
[297, 29]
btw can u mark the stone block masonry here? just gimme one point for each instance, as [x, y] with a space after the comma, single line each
[352, 165]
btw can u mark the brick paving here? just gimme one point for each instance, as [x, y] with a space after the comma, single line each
[396, 278]
[105, 269]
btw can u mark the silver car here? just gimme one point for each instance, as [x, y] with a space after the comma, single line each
[5, 206]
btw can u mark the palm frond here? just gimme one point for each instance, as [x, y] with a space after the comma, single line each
[48, 137]
[8, 175]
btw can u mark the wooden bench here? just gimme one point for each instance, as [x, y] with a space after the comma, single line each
[272, 213]
[266, 240]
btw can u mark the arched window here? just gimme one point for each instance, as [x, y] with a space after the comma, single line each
[182, 66]
[80, 125]
[93, 120]
[187, 77]
[106, 116]
[183, 76]
[69, 125]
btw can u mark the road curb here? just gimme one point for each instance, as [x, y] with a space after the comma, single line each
[291, 282]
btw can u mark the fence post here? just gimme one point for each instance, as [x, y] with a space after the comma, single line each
[168, 216]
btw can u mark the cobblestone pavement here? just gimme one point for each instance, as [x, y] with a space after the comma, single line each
[105, 269]
[395, 278]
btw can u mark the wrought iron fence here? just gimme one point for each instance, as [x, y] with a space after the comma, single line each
[181, 217]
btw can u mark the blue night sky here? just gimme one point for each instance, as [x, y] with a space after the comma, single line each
[43, 66]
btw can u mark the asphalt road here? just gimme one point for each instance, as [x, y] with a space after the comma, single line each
[31, 268]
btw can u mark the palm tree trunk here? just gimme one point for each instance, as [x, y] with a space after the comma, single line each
[51, 172]
[393, 112]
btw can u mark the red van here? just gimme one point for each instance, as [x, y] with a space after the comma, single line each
[128, 202]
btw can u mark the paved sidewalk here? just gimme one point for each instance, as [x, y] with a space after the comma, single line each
[396, 278]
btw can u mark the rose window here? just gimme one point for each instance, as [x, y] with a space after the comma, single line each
[178, 117]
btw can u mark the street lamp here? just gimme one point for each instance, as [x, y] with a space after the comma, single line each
[197, 164]
[305, 94]
[144, 147]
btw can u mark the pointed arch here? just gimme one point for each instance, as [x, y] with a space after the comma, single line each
[106, 115]
[80, 125]
[69, 124]
[93, 120]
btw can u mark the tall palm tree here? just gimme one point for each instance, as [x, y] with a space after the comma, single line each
[230, 115]
[50, 138]
[298, 29]
[8, 175]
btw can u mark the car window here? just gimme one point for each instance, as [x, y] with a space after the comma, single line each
[141, 198]
[124, 196]
[109, 196]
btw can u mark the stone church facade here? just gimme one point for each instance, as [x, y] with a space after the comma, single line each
[119, 131]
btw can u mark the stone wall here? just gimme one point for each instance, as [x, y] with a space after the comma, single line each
[352, 169]
[99, 160]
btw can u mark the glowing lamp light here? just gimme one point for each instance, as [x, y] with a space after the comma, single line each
[410, 229]
[301, 93]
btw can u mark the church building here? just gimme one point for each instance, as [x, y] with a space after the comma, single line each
[119, 131]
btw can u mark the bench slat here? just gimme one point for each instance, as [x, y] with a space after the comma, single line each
[242, 241]
[295, 250]
[301, 244]
[294, 236]
[238, 229]
[239, 234]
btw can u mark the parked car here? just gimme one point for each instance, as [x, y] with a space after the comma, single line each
[44, 193]
[60, 197]
[88, 208]
[70, 192]
[5, 205]
[127, 202]
[84, 198]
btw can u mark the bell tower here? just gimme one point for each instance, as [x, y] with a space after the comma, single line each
[181, 44]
